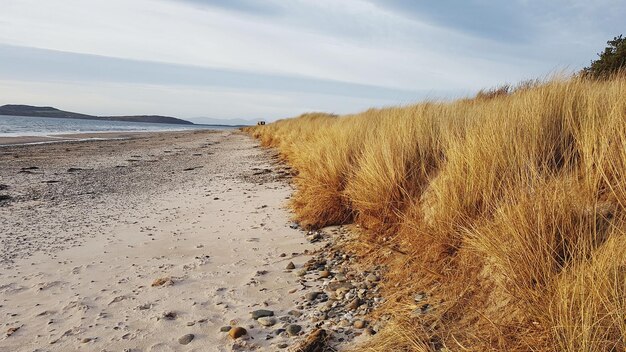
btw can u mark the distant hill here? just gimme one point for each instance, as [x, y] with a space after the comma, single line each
[47, 111]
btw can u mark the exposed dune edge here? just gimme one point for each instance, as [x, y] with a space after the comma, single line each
[500, 218]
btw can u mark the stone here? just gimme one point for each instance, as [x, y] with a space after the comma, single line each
[372, 278]
[301, 272]
[311, 296]
[260, 313]
[266, 321]
[169, 315]
[283, 345]
[419, 297]
[186, 339]
[225, 328]
[86, 339]
[295, 313]
[324, 274]
[293, 329]
[237, 332]
[359, 324]
[335, 285]
[354, 304]
[290, 266]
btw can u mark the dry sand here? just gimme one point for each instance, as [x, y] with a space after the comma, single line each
[90, 226]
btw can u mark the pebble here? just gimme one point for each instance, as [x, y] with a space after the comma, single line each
[237, 332]
[225, 328]
[290, 266]
[324, 274]
[261, 313]
[354, 304]
[295, 313]
[372, 278]
[293, 329]
[266, 321]
[169, 315]
[186, 339]
[301, 272]
[359, 324]
[86, 339]
[311, 296]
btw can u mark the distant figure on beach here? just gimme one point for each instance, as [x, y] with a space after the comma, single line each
[260, 123]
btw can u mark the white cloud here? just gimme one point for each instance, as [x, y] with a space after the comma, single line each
[387, 49]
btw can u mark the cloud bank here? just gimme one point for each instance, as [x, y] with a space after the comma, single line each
[271, 59]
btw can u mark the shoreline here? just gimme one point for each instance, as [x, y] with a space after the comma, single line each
[90, 228]
[6, 141]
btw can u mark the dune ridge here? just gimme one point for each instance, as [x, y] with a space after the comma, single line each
[500, 218]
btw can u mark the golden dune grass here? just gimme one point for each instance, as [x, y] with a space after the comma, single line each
[508, 210]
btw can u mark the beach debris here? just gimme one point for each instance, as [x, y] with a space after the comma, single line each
[193, 168]
[237, 332]
[290, 266]
[12, 330]
[29, 170]
[162, 281]
[316, 341]
[186, 339]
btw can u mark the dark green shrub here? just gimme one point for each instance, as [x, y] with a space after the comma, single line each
[611, 60]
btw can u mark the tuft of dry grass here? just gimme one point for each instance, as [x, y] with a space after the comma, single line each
[508, 210]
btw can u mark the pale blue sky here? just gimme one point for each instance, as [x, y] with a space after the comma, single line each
[272, 59]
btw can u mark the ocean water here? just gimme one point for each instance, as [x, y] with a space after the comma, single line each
[19, 126]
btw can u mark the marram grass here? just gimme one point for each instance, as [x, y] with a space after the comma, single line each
[508, 210]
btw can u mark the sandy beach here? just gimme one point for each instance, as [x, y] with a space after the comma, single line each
[154, 243]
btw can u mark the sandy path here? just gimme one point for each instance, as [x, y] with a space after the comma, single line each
[80, 254]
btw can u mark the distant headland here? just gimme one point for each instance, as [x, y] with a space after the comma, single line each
[47, 111]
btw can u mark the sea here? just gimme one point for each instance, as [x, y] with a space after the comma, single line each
[20, 126]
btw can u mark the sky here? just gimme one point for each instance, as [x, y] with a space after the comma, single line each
[246, 59]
